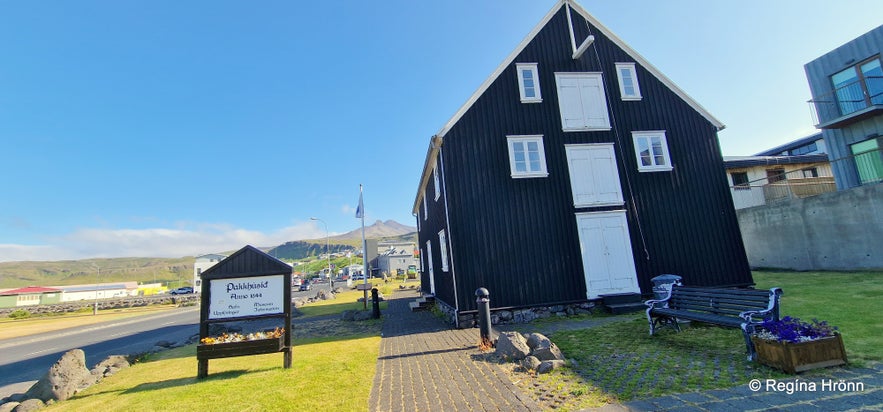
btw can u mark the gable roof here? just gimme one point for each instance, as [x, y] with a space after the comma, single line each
[437, 139]
[248, 261]
[30, 290]
[211, 256]
[738, 162]
[609, 34]
[100, 286]
[791, 145]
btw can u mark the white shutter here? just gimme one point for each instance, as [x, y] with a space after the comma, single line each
[582, 102]
[594, 103]
[619, 253]
[594, 254]
[429, 265]
[443, 248]
[570, 103]
[594, 178]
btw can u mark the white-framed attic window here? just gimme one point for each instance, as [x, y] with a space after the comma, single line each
[443, 250]
[628, 81]
[424, 259]
[424, 206]
[528, 82]
[435, 180]
[527, 156]
[418, 222]
[651, 151]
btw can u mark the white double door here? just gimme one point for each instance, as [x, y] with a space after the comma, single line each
[603, 235]
[607, 253]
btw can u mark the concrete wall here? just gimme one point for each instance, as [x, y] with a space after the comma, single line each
[832, 231]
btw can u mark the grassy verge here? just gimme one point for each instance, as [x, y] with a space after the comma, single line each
[620, 361]
[13, 328]
[345, 300]
[326, 375]
[844, 299]
[332, 370]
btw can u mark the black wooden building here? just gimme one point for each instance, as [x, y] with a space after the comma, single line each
[577, 169]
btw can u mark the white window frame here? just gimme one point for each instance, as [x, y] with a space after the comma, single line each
[604, 123]
[443, 250]
[630, 67]
[424, 206]
[510, 142]
[647, 135]
[532, 67]
[27, 299]
[435, 180]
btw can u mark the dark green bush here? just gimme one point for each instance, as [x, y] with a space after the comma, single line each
[20, 314]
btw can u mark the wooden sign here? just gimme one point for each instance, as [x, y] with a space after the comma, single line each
[249, 296]
[249, 285]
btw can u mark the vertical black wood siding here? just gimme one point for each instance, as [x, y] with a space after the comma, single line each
[518, 237]
[435, 221]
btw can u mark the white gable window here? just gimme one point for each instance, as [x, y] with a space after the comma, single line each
[582, 102]
[628, 81]
[435, 180]
[443, 250]
[528, 82]
[424, 206]
[527, 157]
[651, 151]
